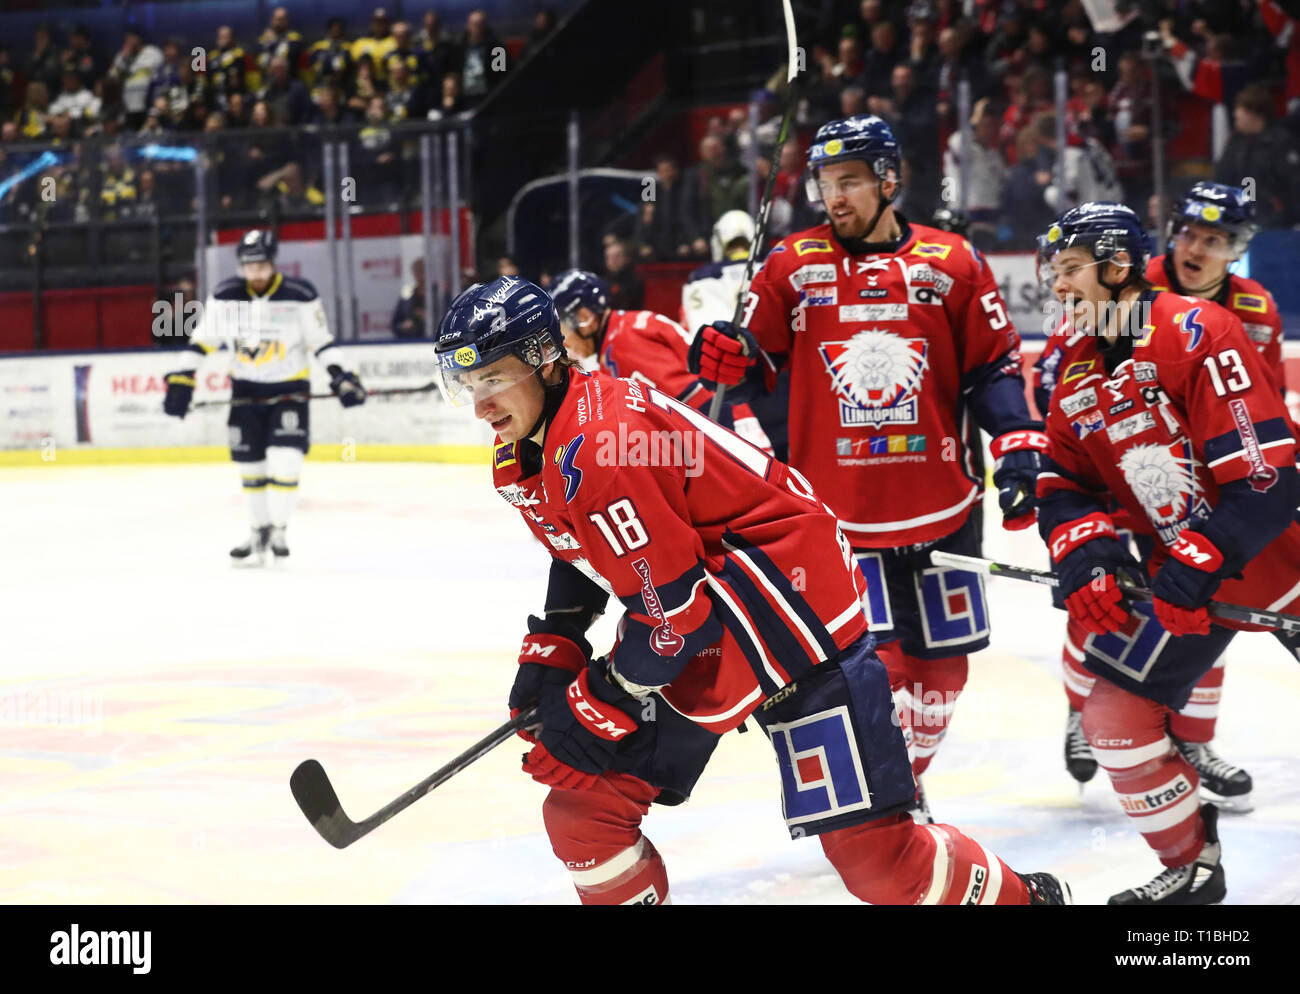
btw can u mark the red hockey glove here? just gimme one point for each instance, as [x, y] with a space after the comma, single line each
[1185, 583]
[545, 657]
[582, 728]
[1016, 462]
[722, 353]
[1089, 562]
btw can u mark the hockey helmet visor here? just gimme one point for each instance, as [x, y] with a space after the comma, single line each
[493, 336]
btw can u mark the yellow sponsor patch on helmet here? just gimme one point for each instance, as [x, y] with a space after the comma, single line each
[1053, 233]
[1211, 212]
[466, 356]
[834, 147]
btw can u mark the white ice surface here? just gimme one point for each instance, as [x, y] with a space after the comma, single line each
[154, 702]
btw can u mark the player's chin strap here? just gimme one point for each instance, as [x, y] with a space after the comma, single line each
[860, 246]
[555, 393]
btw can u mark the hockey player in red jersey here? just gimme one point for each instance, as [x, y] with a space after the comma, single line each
[899, 348]
[741, 598]
[1164, 406]
[643, 345]
[1209, 227]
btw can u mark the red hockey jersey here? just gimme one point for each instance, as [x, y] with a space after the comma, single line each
[884, 351]
[1191, 410]
[651, 348]
[1253, 305]
[726, 561]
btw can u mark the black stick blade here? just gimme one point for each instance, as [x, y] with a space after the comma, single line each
[316, 797]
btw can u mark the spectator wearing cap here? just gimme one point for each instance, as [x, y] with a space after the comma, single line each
[626, 287]
[74, 100]
[227, 65]
[82, 58]
[133, 68]
[1267, 153]
[377, 44]
[483, 58]
[330, 58]
[986, 170]
[279, 41]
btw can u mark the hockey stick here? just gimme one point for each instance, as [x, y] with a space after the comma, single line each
[765, 206]
[316, 797]
[1216, 609]
[245, 401]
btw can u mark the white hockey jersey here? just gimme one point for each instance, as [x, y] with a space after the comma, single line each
[270, 337]
[710, 294]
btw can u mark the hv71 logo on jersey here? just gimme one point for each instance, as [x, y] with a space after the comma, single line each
[877, 376]
[821, 769]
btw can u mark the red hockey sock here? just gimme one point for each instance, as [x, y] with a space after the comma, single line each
[896, 861]
[1078, 681]
[1157, 788]
[1196, 720]
[926, 692]
[596, 833]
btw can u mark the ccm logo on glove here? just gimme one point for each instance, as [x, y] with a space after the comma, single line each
[1070, 536]
[1196, 551]
[609, 723]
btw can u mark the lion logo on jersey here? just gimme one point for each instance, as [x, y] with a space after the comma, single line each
[1165, 484]
[877, 375]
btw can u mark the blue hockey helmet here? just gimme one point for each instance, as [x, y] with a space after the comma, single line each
[577, 288]
[863, 136]
[487, 323]
[1217, 205]
[257, 245]
[1105, 228]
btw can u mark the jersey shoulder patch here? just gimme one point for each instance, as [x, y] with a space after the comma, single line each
[231, 288]
[292, 288]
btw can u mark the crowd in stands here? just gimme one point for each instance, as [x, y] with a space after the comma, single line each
[904, 60]
[74, 88]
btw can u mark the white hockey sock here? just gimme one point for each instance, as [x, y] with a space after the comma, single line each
[253, 475]
[284, 466]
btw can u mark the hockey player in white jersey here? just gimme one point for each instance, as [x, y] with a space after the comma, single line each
[269, 325]
[711, 291]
